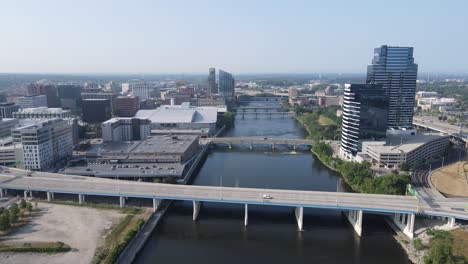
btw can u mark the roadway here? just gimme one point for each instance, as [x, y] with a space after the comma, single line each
[58, 183]
[436, 125]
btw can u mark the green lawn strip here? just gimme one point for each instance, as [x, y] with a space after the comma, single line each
[38, 247]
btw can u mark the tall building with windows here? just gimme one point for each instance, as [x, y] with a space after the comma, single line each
[125, 129]
[47, 89]
[44, 142]
[365, 110]
[212, 88]
[226, 86]
[395, 70]
[141, 89]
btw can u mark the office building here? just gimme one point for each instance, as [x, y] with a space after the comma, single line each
[47, 89]
[395, 70]
[100, 95]
[10, 153]
[126, 106]
[69, 96]
[212, 88]
[45, 143]
[32, 101]
[413, 150]
[125, 87]
[7, 110]
[226, 86]
[6, 124]
[141, 89]
[365, 108]
[125, 129]
[42, 112]
[96, 110]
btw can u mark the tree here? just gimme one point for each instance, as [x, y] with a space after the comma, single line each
[29, 207]
[228, 118]
[441, 249]
[23, 204]
[170, 180]
[4, 220]
[12, 216]
[404, 166]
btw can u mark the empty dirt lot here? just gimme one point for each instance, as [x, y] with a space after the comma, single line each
[80, 227]
[452, 180]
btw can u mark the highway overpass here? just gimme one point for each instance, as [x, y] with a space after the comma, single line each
[402, 208]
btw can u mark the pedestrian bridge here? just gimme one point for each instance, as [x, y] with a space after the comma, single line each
[402, 208]
[294, 142]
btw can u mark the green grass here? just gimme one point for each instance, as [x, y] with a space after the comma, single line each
[325, 121]
[38, 247]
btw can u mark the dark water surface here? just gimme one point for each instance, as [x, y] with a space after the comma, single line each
[219, 236]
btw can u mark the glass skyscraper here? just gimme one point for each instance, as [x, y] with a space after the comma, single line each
[365, 110]
[226, 86]
[395, 70]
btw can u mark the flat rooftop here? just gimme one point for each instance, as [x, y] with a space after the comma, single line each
[160, 144]
[131, 170]
[405, 143]
[180, 114]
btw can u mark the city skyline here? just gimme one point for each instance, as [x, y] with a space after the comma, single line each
[184, 37]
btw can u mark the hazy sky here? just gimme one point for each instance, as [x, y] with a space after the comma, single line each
[240, 36]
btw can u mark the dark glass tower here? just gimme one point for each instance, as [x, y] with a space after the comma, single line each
[226, 86]
[395, 70]
[365, 109]
[212, 89]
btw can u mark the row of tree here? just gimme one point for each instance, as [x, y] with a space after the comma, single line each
[360, 176]
[10, 216]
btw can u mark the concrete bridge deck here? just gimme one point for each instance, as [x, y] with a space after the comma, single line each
[403, 207]
[258, 140]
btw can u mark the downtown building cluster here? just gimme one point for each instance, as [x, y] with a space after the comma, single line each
[377, 123]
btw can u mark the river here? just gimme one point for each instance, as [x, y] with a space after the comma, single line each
[219, 236]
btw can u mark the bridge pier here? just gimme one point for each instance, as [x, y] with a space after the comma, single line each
[299, 212]
[355, 219]
[50, 196]
[451, 222]
[156, 203]
[230, 145]
[1, 193]
[196, 209]
[251, 146]
[273, 146]
[122, 201]
[294, 147]
[81, 198]
[405, 222]
[26, 194]
[246, 214]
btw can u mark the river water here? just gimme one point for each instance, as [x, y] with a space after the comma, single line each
[219, 235]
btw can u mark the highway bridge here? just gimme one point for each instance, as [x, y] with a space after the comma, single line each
[260, 108]
[294, 142]
[434, 125]
[403, 209]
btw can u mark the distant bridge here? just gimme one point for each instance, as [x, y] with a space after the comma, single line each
[403, 209]
[294, 142]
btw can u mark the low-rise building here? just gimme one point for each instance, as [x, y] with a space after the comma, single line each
[42, 112]
[410, 149]
[6, 125]
[181, 117]
[10, 153]
[434, 103]
[32, 101]
[126, 106]
[154, 149]
[7, 109]
[125, 129]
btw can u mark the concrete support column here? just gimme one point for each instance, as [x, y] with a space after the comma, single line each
[451, 222]
[196, 209]
[230, 145]
[50, 196]
[1, 193]
[81, 198]
[405, 222]
[26, 195]
[299, 212]
[246, 215]
[355, 219]
[273, 146]
[122, 201]
[294, 147]
[251, 146]
[156, 203]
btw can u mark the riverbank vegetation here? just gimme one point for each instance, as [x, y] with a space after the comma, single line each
[118, 237]
[15, 215]
[359, 176]
[445, 247]
[321, 123]
[36, 247]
